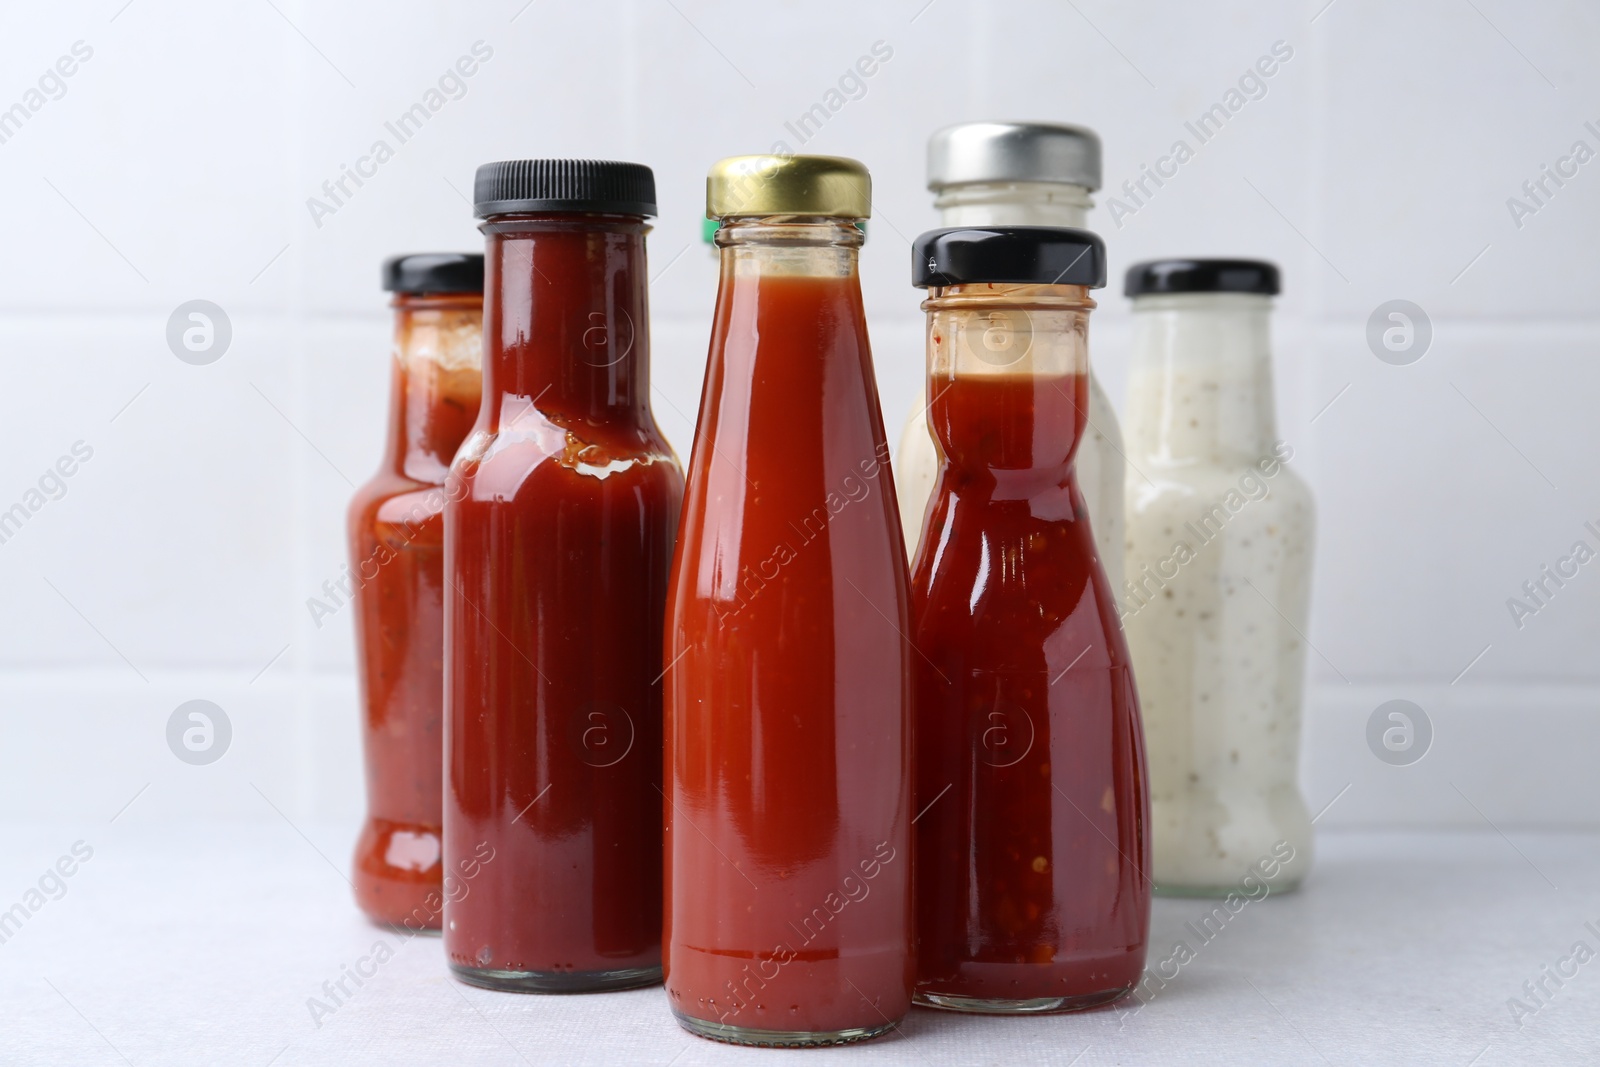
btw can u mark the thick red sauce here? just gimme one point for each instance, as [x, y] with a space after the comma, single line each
[788, 749]
[1032, 849]
[558, 549]
[396, 533]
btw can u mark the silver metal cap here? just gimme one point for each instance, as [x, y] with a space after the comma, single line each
[1014, 152]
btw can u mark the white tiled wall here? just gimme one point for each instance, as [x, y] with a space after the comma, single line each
[178, 162]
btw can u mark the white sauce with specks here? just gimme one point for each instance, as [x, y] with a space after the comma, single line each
[1217, 592]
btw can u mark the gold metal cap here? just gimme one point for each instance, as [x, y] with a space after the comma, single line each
[829, 186]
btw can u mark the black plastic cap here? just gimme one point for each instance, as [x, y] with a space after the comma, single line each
[434, 272]
[1022, 255]
[527, 186]
[1202, 276]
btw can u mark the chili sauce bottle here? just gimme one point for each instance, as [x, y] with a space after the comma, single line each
[1032, 836]
[396, 536]
[1219, 579]
[557, 548]
[788, 675]
[1019, 174]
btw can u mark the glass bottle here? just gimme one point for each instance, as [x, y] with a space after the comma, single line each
[557, 551]
[1019, 174]
[1219, 578]
[788, 742]
[396, 537]
[1033, 814]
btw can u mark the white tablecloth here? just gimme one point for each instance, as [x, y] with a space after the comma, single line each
[203, 944]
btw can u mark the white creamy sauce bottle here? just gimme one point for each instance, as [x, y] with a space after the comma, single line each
[1218, 567]
[1018, 174]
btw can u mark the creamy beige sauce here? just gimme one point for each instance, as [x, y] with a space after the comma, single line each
[1218, 562]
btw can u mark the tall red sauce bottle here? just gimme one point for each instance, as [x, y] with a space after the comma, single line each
[1033, 836]
[788, 676]
[558, 541]
[396, 582]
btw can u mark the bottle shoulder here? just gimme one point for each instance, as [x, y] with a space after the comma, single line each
[398, 511]
[1016, 617]
[386, 491]
[1274, 465]
[504, 462]
[1277, 494]
[1037, 547]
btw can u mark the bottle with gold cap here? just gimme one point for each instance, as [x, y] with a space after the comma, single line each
[787, 685]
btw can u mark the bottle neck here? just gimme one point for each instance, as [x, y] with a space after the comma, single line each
[566, 318]
[1013, 204]
[794, 275]
[1200, 380]
[436, 381]
[789, 246]
[1008, 383]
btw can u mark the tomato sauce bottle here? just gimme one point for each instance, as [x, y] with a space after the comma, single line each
[1033, 829]
[396, 581]
[557, 550]
[788, 675]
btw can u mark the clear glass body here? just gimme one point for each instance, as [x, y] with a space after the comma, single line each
[557, 546]
[1217, 595]
[1032, 835]
[396, 539]
[1100, 463]
[788, 914]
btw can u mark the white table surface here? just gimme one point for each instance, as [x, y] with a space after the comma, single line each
[200, 944]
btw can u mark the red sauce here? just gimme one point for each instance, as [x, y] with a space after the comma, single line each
[1032, 849]
[788, 748]
[396, 528]
[557, 551]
